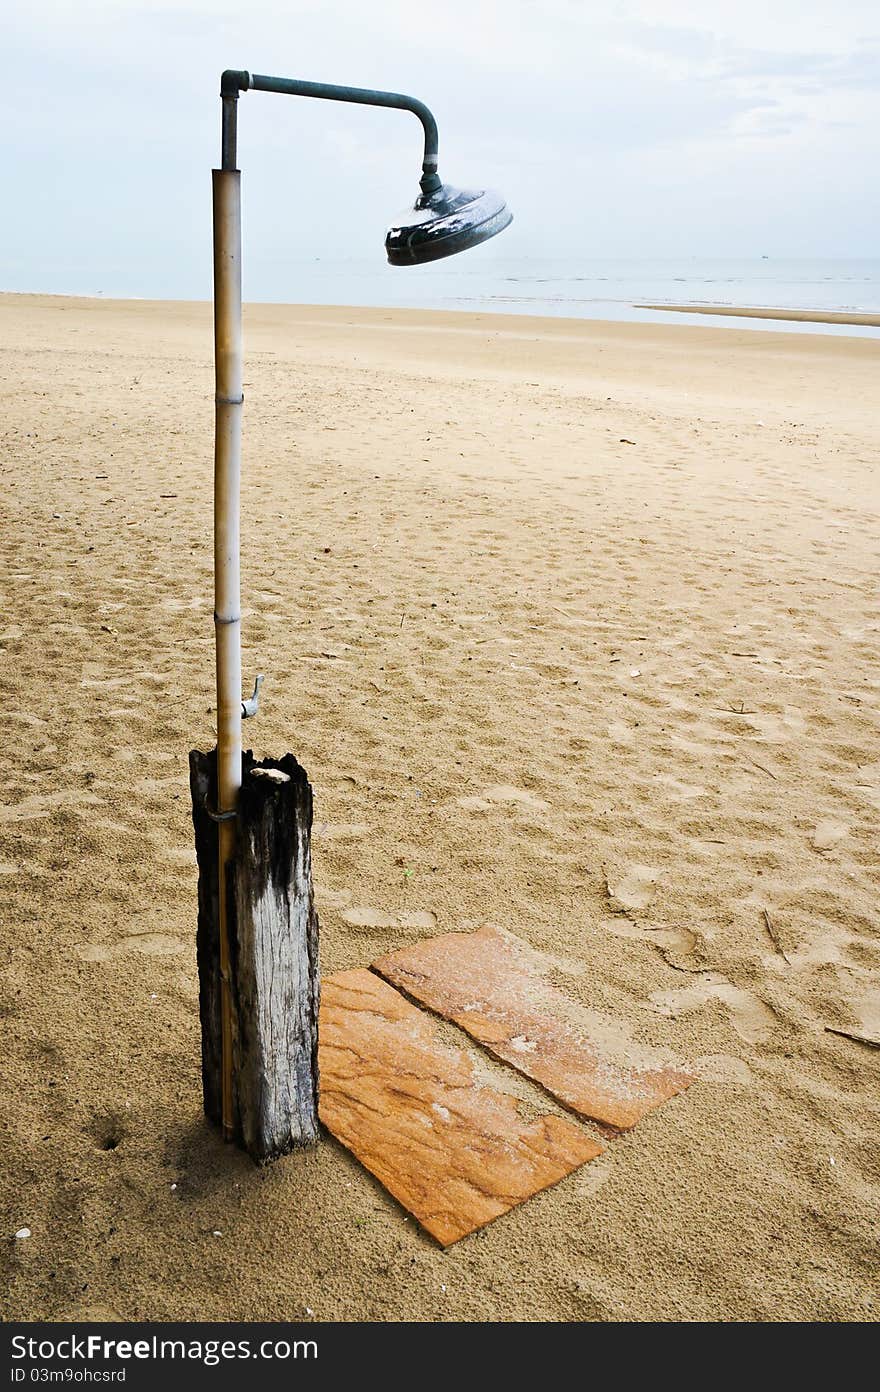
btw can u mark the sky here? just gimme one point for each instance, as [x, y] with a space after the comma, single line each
[615, 128]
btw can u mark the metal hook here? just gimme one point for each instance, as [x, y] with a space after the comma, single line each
[252, 705]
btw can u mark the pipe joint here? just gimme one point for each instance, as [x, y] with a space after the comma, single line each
[232, 82]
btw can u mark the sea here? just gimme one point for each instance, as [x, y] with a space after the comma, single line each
[599, 289]
[484, 280]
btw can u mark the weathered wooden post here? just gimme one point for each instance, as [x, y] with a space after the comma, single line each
[270, 986]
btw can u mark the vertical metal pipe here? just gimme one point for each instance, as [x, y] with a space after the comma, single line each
[229, 133]
[227, 584]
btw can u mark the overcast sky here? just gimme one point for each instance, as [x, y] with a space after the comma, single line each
[637, 128]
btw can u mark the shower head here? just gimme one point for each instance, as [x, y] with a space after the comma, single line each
[443, 222]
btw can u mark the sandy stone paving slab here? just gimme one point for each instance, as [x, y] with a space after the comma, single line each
[492, 985]
[454, 1152]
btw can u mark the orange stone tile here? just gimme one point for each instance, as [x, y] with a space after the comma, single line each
[455, 1153]
[494, 986]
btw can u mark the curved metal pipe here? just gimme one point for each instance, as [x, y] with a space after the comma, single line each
[232, 82]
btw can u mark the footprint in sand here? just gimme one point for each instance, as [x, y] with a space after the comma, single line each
[340, 831]
[829, 947]
[332, 898]
[619, 733]
[197, 602]
[865, 1008]
[827, 834]
[750, 1017]
[776, 729]
[679, 791]
[95, 1314]
[42, 804]
[723, 1068]
[680, 941]
[157, 785]
[632, 888]
[589, 1179]
[502, 794]
[419, 920]
[148, 944]
[180, 855]
[867, 783]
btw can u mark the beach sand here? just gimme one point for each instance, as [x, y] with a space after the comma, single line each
[574, 627]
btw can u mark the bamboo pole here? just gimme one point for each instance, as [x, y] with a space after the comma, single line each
[227, 584]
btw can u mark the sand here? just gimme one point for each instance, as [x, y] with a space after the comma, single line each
[574, 627]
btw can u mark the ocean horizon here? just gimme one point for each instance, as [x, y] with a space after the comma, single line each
[591, 288]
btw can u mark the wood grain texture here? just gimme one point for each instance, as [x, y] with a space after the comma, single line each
[454, 1152]
[273, 955]
[493, 986]
[203, 788]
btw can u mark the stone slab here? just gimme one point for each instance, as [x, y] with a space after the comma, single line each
[453, 1151]
[494, 986]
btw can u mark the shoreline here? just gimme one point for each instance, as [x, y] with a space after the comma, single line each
[833, 318]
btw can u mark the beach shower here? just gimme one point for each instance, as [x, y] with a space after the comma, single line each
[442, 221]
